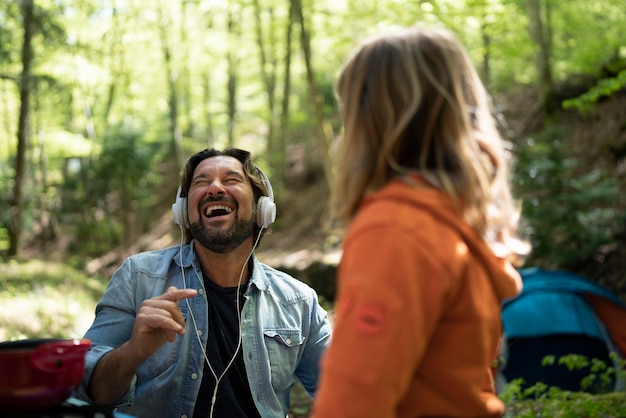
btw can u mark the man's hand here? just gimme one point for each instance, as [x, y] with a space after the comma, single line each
[159, 320]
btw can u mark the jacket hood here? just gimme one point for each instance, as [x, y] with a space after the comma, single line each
[504, 277]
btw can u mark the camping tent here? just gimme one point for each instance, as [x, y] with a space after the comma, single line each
[560, 313]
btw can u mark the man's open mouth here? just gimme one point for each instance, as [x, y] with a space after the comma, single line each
[217, 210]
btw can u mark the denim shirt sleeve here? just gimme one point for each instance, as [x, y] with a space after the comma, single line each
[115, 311]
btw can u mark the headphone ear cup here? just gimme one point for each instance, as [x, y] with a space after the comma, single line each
[265, 206]
[266, 211]
[179, 210]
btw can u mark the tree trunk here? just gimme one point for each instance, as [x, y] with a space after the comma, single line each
[16, 223]
[486, 38]
[540, 34]
[208, 115]
[207, 93]
[284, 108]
[185, 82]
[115, 51]
[233, 64]
[325, 131]
[176, 134]
[268, 63]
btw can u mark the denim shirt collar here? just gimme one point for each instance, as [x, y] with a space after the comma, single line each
[189, 259]
[186, 256]
[259, 278]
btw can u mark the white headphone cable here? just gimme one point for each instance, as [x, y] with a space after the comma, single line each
[217, 378]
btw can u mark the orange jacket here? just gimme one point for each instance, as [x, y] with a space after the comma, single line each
[417, 313]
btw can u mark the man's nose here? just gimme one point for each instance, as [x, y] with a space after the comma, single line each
[216, 188]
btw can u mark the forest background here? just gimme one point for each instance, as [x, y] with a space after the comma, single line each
[102, 101]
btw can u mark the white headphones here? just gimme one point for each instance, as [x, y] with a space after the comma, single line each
[265, 207]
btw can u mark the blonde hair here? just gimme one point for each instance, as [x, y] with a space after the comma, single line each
[411, 101]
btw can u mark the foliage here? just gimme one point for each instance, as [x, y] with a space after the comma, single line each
[111, 192]
[554, 403]
[541, 400]
[112, 67]
[601, 375]
[99, 64]
[604, 88]
[9, 33]
[569, 212]
[573, 50]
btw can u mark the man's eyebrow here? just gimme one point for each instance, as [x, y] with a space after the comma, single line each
[198, 176]
[229, 173]
[236, 174]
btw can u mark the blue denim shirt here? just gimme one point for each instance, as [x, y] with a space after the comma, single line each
[284, 334]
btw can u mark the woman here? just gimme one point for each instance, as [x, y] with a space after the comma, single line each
[422, 181]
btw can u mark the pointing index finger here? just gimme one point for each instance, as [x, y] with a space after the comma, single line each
[175, 294]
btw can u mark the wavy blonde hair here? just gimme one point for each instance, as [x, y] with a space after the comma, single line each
[411, 101]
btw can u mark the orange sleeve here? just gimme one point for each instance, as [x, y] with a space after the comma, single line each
[389, 301]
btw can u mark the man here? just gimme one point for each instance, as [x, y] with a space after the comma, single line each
[204, 328]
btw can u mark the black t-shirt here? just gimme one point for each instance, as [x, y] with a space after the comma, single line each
[234, 399]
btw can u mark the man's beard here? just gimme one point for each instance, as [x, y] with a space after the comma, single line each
[223, 241]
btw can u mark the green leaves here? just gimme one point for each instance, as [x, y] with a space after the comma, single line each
[541, 400]
[570, 209]
[604, 88]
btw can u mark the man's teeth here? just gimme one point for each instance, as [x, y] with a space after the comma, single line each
[211, 209]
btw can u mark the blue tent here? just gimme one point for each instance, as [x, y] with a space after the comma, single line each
[560, 313]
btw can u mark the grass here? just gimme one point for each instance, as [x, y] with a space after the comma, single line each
[556, 403]
[46, 299]
[540, 400]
